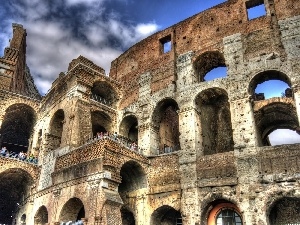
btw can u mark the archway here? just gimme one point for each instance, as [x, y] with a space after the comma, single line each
[104, 93]
[207, 62]
[285, 211]
[221, 212]
[214, 114]
[166, 215]
[274, 116]
[56, 129]
[41, 216]
[127, 216]
[73, 210]
[17, 127]
[133, 178]
[101, 122]
[129, 128]
[279, 85]
[15, 187]
[166, 126]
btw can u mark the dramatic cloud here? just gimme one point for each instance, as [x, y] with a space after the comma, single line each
[60, 32]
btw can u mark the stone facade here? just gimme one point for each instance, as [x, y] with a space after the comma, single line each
[202, 146]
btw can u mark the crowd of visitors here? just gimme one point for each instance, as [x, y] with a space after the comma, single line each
[79, 222]
[23, 156]
[126, 142]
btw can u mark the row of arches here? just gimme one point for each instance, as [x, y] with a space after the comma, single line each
[218, 212]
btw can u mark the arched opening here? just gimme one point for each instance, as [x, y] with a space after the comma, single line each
[104, 93]
[73, 210]
[166, 215]
[127, 217]
[283, 137]
[133, 178]
[56, 129]
[41, 216]
[210, 65]
[214, 113]
[17, 127]
[166, 126]
[221, 212]
[101, 122]
[270, 84]
[272, 117]
[129, 128]
[15, 187]
[285, 211]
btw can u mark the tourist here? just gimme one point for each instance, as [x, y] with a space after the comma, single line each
[3, 151]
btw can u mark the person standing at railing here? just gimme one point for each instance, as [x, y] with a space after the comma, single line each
[3, 151]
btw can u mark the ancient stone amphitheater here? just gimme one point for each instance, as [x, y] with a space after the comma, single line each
[188, 150]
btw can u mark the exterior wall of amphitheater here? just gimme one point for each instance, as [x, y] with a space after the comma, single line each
[217, 130]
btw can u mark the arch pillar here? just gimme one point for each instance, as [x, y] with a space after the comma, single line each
[296, 90]
[243, 123]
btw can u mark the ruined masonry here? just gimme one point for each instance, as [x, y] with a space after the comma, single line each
[188, 150]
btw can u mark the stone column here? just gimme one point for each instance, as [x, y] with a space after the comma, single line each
[296, 90]
[185, 71]
[189, 140]
[243, 123]
[85, 221]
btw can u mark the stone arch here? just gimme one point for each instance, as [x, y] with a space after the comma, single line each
[275, 115]
[166, 215]
[133, 178]
[72, 210]
[129, 127]
[41, 216]
[165, 121]
[266, 76]
[128, 217]
[285, 210]
[54, 137]
[101, 122]
[104, 92]
[15, 187]
[215, 118]
[208, 61]
[215, 212]
[17, 127]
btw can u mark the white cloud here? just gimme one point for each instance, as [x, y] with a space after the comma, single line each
[284, 136]
[146, 29]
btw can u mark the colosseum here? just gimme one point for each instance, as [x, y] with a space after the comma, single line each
[156, 142]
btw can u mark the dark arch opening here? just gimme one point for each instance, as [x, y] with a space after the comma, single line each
[269, 84]
[214, 115]
[285, 211]
[166, 126]
[56, 129]
[41, 216]
[73, 210]
[274, 116]
[17, 127]
[133, 178]
[166, 215]
[129, 128]
[101, 122]
[127, 217]
[104, 93]
[15, 187]
[206, 63]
